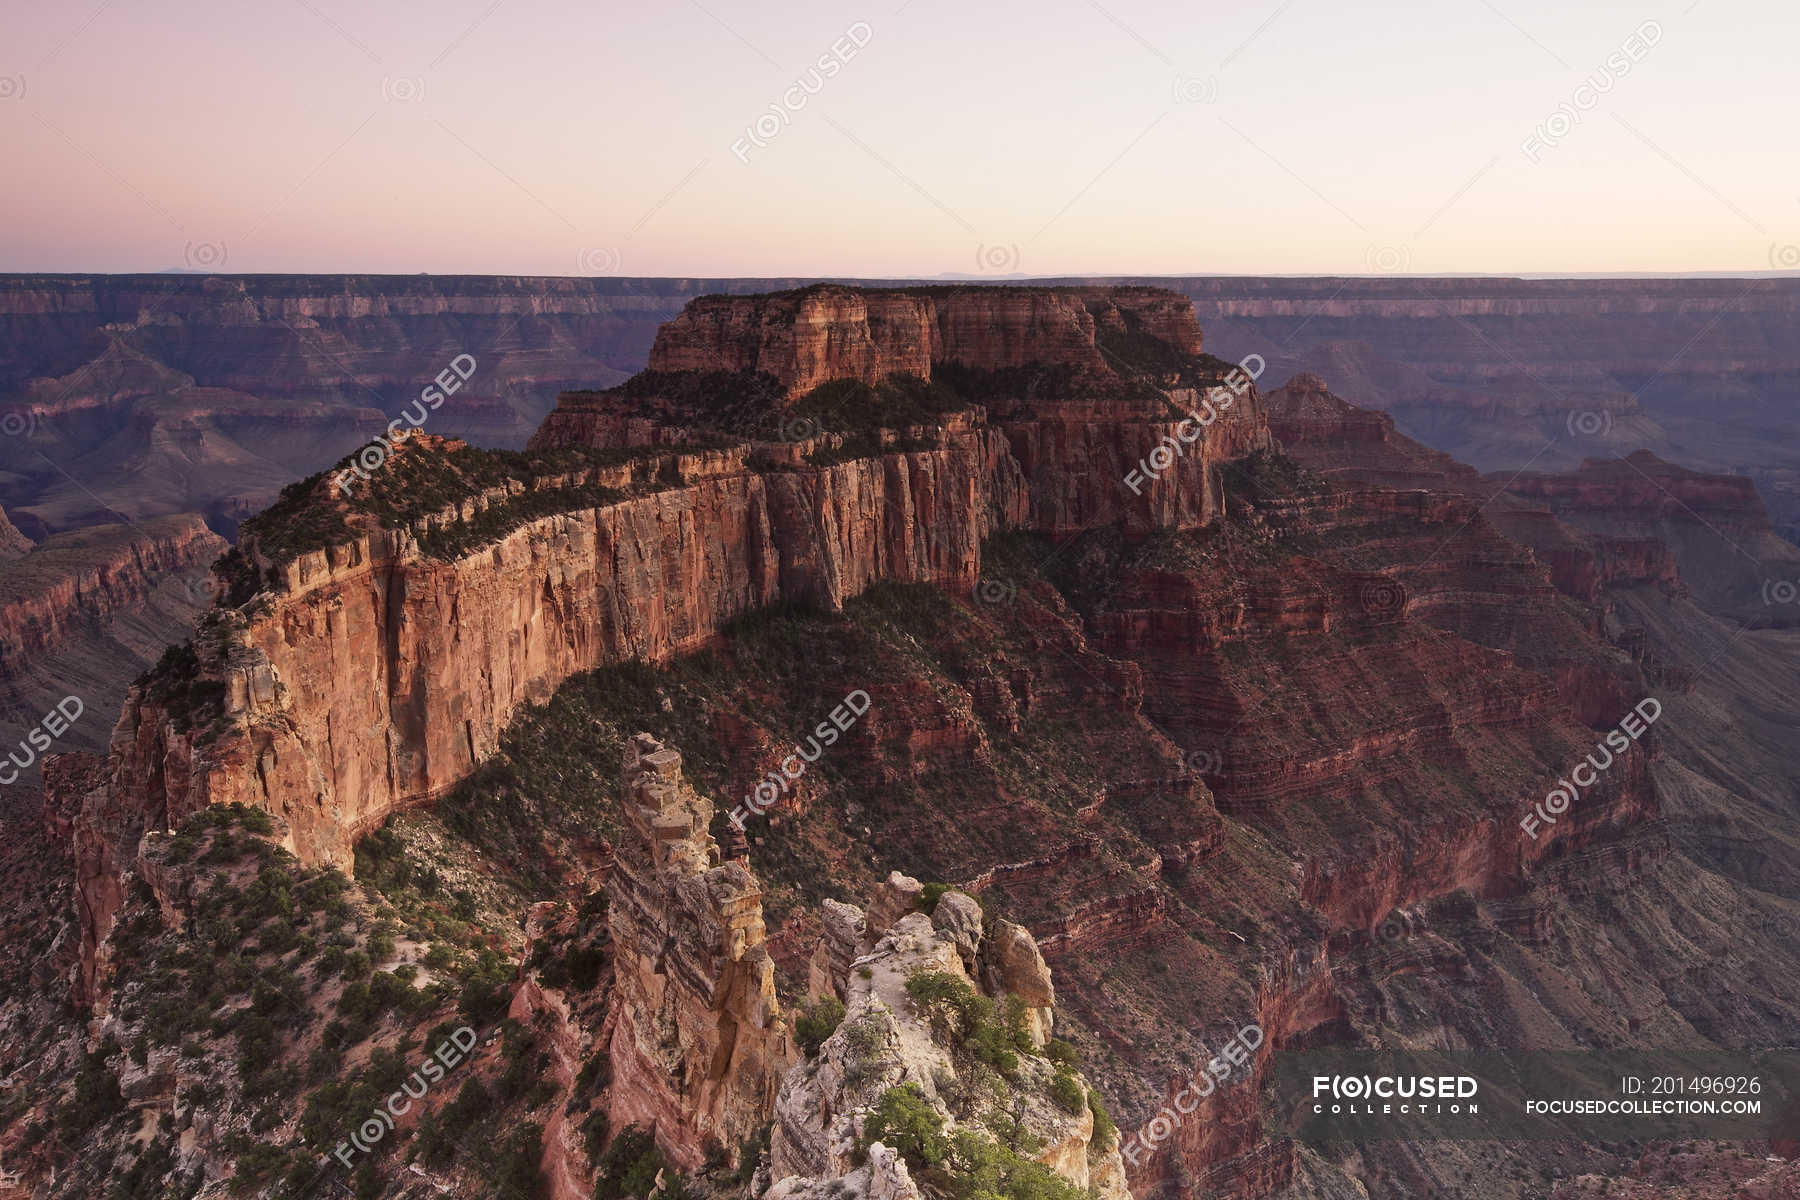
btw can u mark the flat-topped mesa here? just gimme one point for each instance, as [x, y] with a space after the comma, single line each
[760, 366]
[1641, 519]
[819, 334]
[1641, 485]
[384, 621]
[1103, 395]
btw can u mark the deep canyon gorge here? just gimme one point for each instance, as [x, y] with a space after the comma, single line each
[1156, 749]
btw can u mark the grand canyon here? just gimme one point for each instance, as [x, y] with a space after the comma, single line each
[798, 739]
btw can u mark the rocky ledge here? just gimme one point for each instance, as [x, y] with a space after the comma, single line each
[924, 1046]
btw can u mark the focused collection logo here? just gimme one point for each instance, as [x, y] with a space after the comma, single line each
[1385, 1095]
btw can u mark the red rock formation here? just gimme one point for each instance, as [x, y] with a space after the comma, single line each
[1582, 566]
[1374, 682]
[455, 647]
[1336, 438]
[452, 649]
[1641, 521]
[105, 825]
[89, 576]
[1088, 444]
[828, 332]
[1643, 486]
[696, 1038]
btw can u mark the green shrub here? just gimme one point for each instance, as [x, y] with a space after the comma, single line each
[750, 1154]
[387, 990]
[595, 1073]
[863, 1040]
[224, 848]
[255, 820]
[593, 1133]
[958, 1011]
[905, 1122]
[1105, 1132]
[516, 1171]
[258, 1040]
[948, 1001]
[97, 1095]
[583, 964]
[357, 1004]
[816, 1022]
[982, 1169]
[487, 989]
[928, 899]
[255, 1162]
[1067, 1091]
[332, 961]
[440, 1137]
[628, 1167]
[1062, 1053]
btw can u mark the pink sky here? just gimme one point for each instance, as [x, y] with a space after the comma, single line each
[1059, 136]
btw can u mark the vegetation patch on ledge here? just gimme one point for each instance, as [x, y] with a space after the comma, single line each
[741, 404]
[898, 402]
[422, 477]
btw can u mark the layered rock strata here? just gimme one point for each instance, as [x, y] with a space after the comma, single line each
[697, 1040]
[819, 334]
[377, 675]
[75, 582]
[372, 674]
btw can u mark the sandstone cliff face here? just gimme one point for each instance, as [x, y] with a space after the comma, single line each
[379, 676]
[376, 676]
[89, 577]
[1137, 470]
[1336, 438]
[823, 333]
[1112, 442]
[1640, 520]
[106, 827]
[697, 1039]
